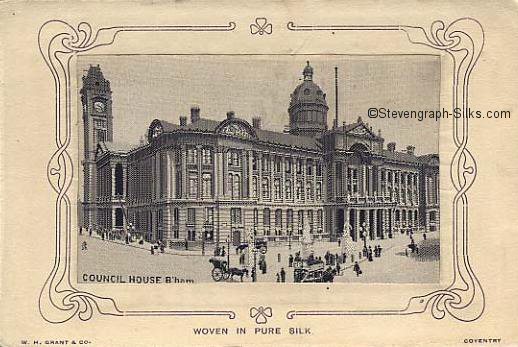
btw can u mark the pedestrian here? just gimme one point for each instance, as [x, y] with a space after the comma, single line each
[416, 250]
[102, 235]
[80, 230]
[406, 252]
[162, 247]
[356, 268]
[379, 251]
[152, 249]
[339, 242]
[338, 268]
[278, 257]
[254, 275]
[186, 245]
[326, 257]
[242, 259]
[424, 236]
[344, 257]
[264, 267]
[90, 231]
[290, 261]
[278, 277]
[337, 259]
[223, 251]
[283, 275]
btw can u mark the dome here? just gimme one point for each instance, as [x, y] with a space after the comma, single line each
[308, 91]
[308, 107]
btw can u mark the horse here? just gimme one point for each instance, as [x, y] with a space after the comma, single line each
[241, 247]
[234, 271]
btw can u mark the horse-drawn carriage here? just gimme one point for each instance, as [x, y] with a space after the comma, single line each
[260, 244]
[313, 273]
[221, 270]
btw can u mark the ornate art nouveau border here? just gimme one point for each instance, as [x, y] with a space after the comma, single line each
[58, 42]
[463, 40]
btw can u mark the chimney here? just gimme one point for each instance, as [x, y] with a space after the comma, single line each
[410, 149]
[195, 114]
[230, 114]
[256, 122]
[183, 120]
[391, 146]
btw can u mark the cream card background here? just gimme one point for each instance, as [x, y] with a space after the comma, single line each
[28, 201]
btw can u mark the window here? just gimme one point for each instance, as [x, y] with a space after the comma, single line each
[310, 221]
[277, 164]
[306, 91]
[277, 188]
[318, 192]
[299, 191]
[266, 188]
[300, 221]
[193, 186]
[319, 168]
[207, 185]
[101, 135]
[265, 163]
[309, 191]
[254, 161]
[192, 156]
[254, 187]
[320, 221]
[209, 215]
[234, 159]
[289, 193]
[289, 221]
[299, 166]
[207, 156]
[287, 166]
[191, 216]
[119, 217]
[278, 218]
[118, 179]
[235, 215]
[266, 221]
[234, 185]
[176, 216]
[256, 220]
[309, 168]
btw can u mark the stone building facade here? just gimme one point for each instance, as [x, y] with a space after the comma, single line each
[209, 181]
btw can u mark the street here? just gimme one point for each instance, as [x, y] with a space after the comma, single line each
[115, 258]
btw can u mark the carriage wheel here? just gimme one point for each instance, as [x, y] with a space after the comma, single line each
[217, 274]
[226, 275]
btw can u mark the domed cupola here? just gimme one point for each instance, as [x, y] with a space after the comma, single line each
[308, 107]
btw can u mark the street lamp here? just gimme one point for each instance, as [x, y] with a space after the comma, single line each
[254, 270]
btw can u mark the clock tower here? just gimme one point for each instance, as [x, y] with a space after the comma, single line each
[96, 100]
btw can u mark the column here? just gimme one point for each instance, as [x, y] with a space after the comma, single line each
[364, 180]
[304, 180]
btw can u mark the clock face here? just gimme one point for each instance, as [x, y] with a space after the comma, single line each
[99, 106]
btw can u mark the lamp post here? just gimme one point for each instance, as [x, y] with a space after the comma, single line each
[228, 252]
[254, 269]
[289, 239]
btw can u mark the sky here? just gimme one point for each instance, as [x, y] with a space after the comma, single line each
[146, 87]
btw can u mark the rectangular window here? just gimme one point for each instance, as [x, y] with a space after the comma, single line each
[310, 221]
[287, 166]
[266, 217]
[278, 218]
[319, 168]
[289, 194]
[235, 215]
[266, 188]
[254, 187]
[254, 161]
[277, 165]
[207, 185]
[191, 216]
[207, 156]
[209, 215]
[193, 186]
[192, 156]
[277, 188]
[309, 168]
[318, 192]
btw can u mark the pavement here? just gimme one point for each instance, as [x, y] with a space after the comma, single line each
[114, 257]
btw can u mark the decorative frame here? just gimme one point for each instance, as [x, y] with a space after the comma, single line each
[58, 41]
